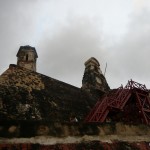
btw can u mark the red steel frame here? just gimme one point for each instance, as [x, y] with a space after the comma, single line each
[118, 100]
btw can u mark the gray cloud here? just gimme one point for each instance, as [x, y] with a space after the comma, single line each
[17, 27]
[68, 49]
[131, 55]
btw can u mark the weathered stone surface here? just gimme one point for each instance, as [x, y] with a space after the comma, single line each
[27, 56]
[93, 78]
[93, 145]
[35, 111]
[27, 95]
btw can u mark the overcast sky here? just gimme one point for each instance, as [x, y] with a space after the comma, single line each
[66, 33]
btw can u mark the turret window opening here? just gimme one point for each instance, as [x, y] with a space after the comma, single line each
[27, 57]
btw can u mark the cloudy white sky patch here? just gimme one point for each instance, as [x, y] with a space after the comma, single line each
[68, 32]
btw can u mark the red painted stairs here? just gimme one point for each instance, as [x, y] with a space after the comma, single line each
[118, 99]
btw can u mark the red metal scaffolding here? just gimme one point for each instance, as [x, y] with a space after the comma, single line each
[117, 101]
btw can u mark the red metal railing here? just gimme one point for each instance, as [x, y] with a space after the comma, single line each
[118, 100]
